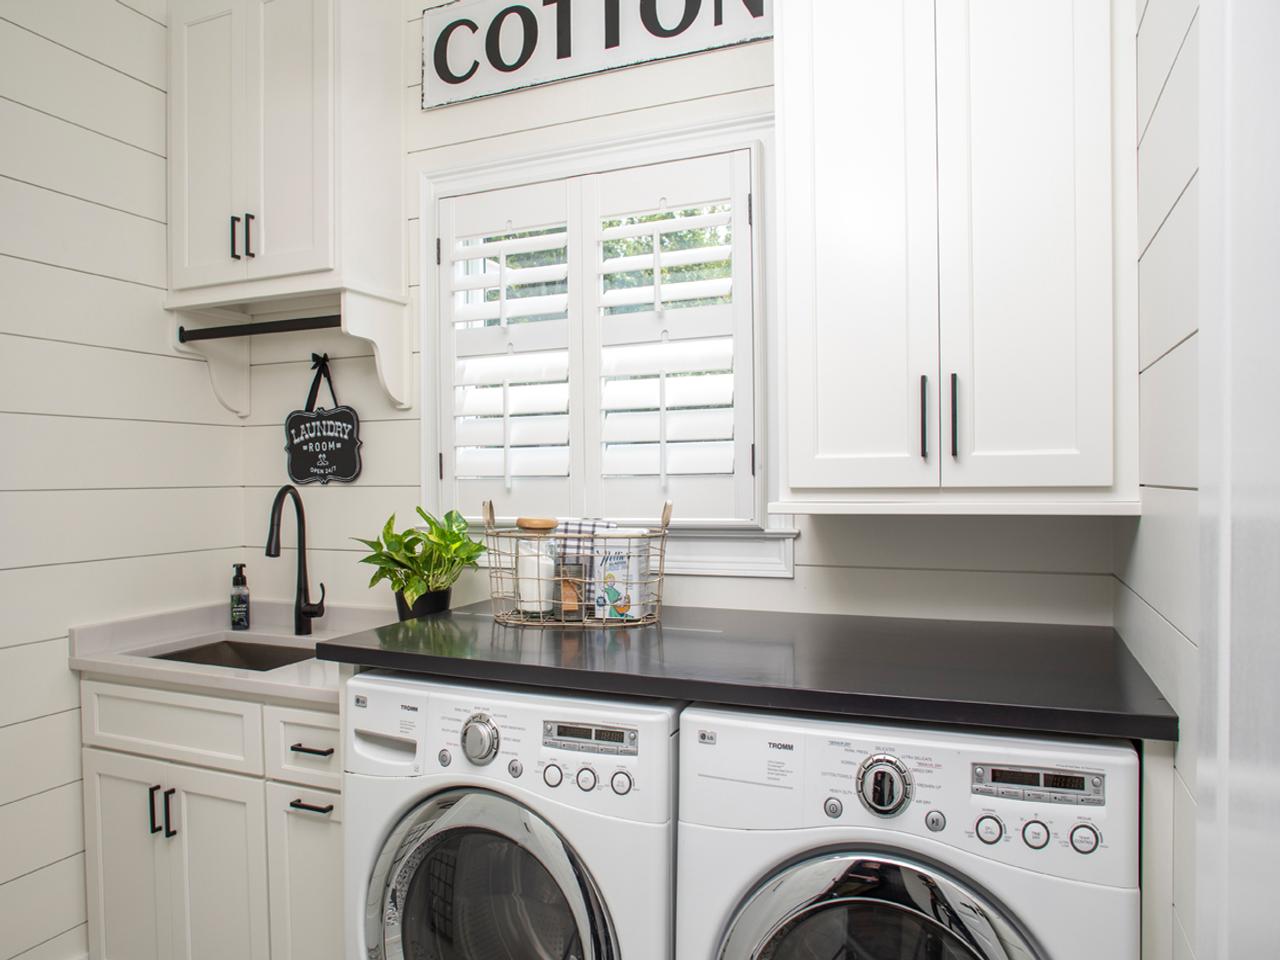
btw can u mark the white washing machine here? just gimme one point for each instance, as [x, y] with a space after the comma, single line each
[484, 824]
[821, 839]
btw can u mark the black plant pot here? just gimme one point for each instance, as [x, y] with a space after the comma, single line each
[434, 601]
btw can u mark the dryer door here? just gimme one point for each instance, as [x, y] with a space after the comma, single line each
[864, 906]
[473, 875]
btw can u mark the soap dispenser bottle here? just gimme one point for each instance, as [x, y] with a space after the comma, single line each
[239, 598]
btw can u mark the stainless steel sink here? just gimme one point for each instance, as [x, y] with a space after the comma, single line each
[229, 650]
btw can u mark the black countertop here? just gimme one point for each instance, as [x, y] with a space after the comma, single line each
[1013, 676]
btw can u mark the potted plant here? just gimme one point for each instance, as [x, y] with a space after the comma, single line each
[422, 563]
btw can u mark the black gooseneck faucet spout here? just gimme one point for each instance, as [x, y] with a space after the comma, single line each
[304, 611]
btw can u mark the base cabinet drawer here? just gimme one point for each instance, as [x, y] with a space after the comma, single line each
[303, 746]
[304, 856]
[205, 731]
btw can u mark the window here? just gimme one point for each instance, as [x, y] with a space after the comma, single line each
[596, 344]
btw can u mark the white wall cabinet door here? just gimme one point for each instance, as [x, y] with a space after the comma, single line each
[859, 247]
[289, 137]
[1025, 241]
[304, 845]
[126, 857]
[207, 120]
[218, 866]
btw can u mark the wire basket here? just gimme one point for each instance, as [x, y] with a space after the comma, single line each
[580, 573]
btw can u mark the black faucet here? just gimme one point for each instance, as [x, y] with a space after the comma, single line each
[304, 611]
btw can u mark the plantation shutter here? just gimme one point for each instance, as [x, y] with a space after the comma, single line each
[508, 325]
[668, 346]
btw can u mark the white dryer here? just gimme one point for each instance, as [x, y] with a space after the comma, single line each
[484, 824]
[808, 838]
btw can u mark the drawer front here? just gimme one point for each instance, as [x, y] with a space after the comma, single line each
[205, 731]
[303, 746]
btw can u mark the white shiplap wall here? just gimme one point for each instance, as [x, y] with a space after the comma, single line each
[1157, 558]
[120, 481]
[1006, 569]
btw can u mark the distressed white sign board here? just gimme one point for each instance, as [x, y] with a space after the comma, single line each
[477, 48]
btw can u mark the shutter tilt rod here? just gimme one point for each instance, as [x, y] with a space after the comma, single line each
[254, 329]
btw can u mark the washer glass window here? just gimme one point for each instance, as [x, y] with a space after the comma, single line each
[864, 930]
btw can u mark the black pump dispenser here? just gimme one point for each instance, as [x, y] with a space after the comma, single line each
[238, 579]
[239, 598]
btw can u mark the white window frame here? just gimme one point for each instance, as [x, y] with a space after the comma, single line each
[762, 546]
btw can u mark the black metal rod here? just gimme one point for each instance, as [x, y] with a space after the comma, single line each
[311, 808]
[234, 255]
[168, 814]
[248, 239]
[924, 419]
[155, 827]
[312, 751]
[955, 416]
[254, 329]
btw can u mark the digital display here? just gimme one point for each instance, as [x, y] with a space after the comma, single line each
[566, 731]
[1021, 778]
[1060, 781]
[609, 736]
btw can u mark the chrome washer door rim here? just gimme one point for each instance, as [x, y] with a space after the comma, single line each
[480, 811]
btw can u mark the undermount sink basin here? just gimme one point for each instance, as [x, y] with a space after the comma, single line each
[231, 651]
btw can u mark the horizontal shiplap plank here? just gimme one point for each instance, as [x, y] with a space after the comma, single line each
[40, 830]
[38, 756]
[389, 456]
[43, 528]
[39, 73]
[71, 945]
[41, 905]
[335, 514]
[281, 387]
[102, 30]
[70, 453]
[1157, 556]
[617, 91]
[39, 605]
[1169, 154]
[1030, 544]
[52, 153]
[67, 379]
[68, 232]
[157, 10]
[1159, 38]
[35, 682]
[1168, 281]
[1169, 423]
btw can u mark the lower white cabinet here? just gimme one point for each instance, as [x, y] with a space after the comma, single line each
[304, 855]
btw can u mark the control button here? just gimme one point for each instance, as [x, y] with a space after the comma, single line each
[552, 775]
[1084, 839]
[479, 739]
[1035, 834]
[1065, 798]
[445, 758]
[587, 779]
[1012, 793]
[989, 829]
[1092, 802]
[983, 790]
[515, 768]
[621, 783]
[979, 772]
[832, 808]
[884, 785]
[1097, 781]
[1038, 795]
[548, 728]
[935, 821]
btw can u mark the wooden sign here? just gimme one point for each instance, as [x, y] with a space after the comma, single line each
[322, 445]
[477, 48]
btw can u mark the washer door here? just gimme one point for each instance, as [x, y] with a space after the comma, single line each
[472, 875]
[864, 906]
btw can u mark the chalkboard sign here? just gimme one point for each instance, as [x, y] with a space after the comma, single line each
[322, 445]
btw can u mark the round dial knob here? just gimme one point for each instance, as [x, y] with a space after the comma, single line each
[1084, 839]
[1035, 834]
[989, 829]
[621, 783]
[552, 775]
[884, 785]
[586, 779]
[479, 739]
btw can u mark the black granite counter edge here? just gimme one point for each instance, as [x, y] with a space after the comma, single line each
[1020, 717]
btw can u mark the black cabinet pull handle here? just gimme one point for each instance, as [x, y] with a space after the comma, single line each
[924, 417]
[311, 808]
[234, 255]
[168, 814]
[955, 416]
[248, 238]
[312, 751]
[151, 803]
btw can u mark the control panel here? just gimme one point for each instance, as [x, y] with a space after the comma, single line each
[1057, 806]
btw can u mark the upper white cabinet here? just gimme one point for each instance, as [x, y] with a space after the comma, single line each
[955, 312]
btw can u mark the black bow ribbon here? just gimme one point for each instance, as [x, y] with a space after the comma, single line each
[320, 364]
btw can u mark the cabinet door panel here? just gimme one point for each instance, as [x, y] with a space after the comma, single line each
[124, 860]
[1025, 240]
[856, 102]
[305, 859]
[206, 117]
[218, 867]
[290, 97]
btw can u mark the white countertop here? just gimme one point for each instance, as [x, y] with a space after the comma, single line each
[123, 649]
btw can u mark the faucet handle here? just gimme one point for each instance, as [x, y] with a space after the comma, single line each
[316, 609]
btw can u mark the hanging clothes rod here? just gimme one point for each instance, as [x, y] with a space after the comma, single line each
[253, 329]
